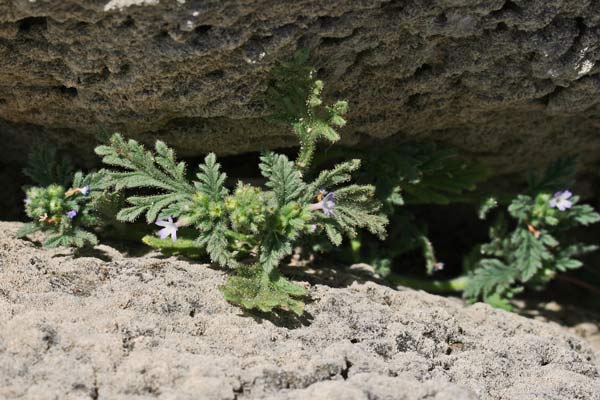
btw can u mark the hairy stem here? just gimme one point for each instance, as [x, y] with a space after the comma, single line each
[307, 150]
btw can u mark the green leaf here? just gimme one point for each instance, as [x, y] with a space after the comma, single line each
[488, 204]
[529, 253]
[558, 175]
[44, 167]
[564, 264]
[492, 278]
[27, 229]
[81, 238]
[185, 247]
[283, 178]
[341, 173]
[254, 288]
[322, 129]
[333, 234]
[520, 207]
[130, 214]
[584, 214]
[216, 243]
[356, 207]
[211, 179]
[54, 241]
[140, 168]
[290, 87]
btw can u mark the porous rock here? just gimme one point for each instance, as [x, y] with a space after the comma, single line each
[109, 326]
[513, 83]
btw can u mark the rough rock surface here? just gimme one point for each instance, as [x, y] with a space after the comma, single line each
[114, 327]
[497, 78]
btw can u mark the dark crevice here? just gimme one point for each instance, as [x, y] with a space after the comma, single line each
[217, 74]
[33, 23]
[68, 91]
[501, 27]
[545, 100]
[581, 26]
[511, 6]
[202, 29]
[544, 362]
[413, 101]
[346, 369]
[508, 7]
[124, 70]
[394, 5]
[94, 391]
[441, 19]
[238, 391]
[332, 41]
[424, 70]
[129, 22]
[327, 22]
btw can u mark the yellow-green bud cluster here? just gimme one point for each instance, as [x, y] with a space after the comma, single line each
[47, 204]
[246, 208]
[203, 207]
[542, 213]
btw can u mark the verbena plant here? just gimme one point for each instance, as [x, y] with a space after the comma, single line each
[530, 244]
[245, 227]
[406, 175]
[61, 205]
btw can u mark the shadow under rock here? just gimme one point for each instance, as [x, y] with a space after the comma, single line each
[338, 277]
[91, 252]
[281, 318]
[551, 310]
[128, 248]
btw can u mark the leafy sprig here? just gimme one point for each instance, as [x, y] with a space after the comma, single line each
[534, 251]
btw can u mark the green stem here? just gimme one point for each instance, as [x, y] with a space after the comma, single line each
[434, 286]
[238, 236]
[307, 146]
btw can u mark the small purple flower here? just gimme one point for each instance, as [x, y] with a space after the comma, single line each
[561, 200]
[314, 227]
[326, 203]
[170, 228]
[438, 266]
[85, 190]
[71, 214]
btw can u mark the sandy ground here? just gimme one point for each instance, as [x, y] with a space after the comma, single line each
[108, 326]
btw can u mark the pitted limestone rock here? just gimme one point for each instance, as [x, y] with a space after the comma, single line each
[500, 79]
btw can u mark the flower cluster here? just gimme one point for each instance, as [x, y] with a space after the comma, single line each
[60, 214]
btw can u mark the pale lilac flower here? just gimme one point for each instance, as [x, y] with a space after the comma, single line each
[326, 204]
[72, 214]
[561, 200]
[438, 266]
[84, 191]
[314, 227]
[170, 228]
